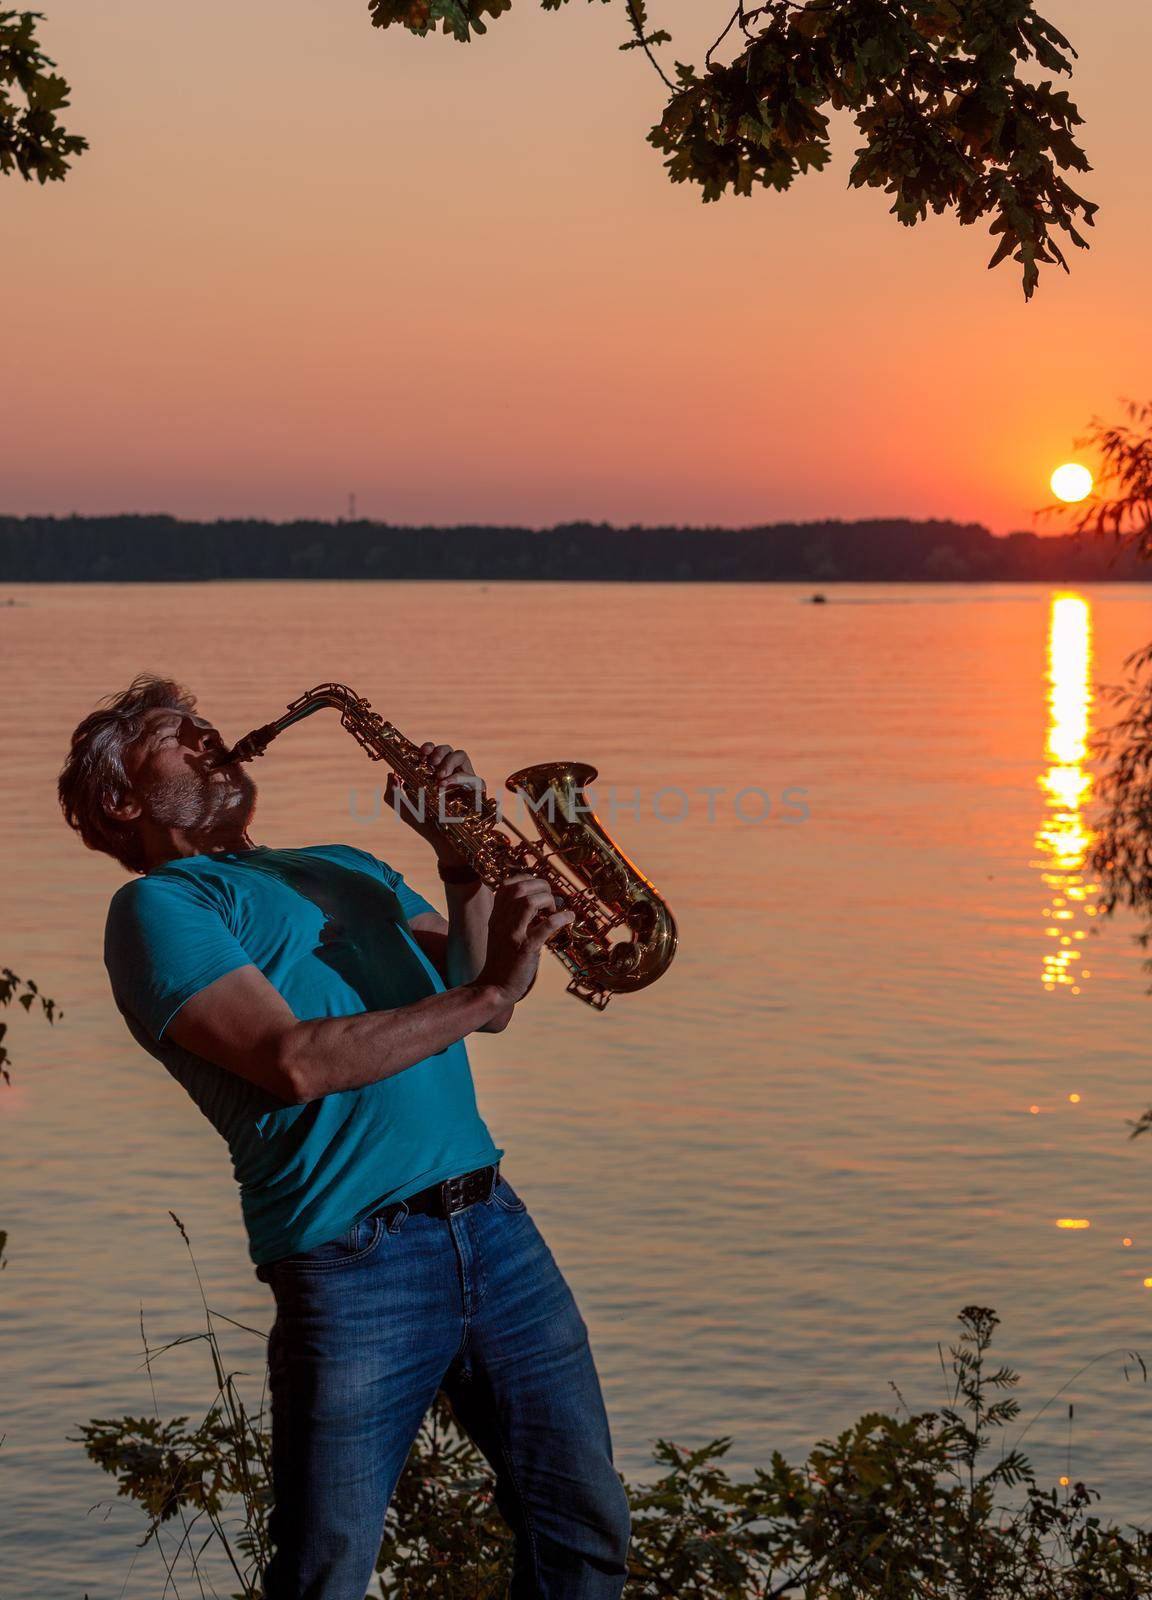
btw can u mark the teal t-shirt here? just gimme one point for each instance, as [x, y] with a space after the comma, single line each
[328, 926]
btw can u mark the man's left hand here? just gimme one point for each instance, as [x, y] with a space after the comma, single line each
[449, 765]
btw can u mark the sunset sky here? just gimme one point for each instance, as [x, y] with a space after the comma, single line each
[305, 257]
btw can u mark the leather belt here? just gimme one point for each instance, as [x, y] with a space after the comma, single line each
[448, 1198]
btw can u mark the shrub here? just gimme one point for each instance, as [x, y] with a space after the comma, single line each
[897, 1507]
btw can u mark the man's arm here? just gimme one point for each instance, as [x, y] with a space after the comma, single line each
[458, 947]
[243, 1023]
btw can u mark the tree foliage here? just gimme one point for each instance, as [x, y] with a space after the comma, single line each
[22, 992]
[1120, 505]
[949, 98]
[939, 90]
[1121, 855]
[33, 141]
[1119, 509]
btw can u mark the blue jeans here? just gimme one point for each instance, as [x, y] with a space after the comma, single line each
[368, 1327]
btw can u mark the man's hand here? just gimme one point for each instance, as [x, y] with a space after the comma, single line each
[450, 767]
[523, 916]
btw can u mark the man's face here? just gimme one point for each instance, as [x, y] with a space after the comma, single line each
[174, 781]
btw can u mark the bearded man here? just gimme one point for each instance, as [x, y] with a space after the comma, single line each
[315, 1006]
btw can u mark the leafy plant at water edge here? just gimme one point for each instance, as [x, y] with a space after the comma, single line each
[22, 992]
[896, 1507]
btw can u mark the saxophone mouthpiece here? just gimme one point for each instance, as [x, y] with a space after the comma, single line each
[252, 744]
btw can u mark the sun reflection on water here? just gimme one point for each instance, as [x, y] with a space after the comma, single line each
[1063, 838]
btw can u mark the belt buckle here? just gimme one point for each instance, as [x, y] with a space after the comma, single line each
[452, 1193]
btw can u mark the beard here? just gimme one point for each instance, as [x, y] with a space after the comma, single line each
[198, 802]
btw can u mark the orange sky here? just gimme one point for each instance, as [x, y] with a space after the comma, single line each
[305, 257]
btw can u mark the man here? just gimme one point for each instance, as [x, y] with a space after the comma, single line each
[315, 1007]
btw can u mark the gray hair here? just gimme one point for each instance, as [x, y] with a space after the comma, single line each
[93, 777]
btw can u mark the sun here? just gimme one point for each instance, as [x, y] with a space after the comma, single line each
[1071, 482]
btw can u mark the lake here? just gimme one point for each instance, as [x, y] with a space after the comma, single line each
[895, 1050]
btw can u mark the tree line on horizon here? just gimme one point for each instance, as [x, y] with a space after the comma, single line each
[159, 549]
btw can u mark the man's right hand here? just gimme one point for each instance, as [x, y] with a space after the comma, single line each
[523, 916]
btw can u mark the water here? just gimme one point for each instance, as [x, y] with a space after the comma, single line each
[775, 1177]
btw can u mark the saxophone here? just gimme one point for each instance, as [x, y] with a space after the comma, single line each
[623, 935]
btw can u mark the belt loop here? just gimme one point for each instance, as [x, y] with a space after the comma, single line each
[396, 1220]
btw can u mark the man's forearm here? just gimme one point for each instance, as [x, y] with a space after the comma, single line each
[466, 948]
[469, 908]
[334, 1053]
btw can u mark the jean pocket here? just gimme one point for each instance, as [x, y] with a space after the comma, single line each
[506, 1197]
[353, 1244]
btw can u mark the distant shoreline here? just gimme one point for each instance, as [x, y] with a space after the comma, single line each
[162, 549]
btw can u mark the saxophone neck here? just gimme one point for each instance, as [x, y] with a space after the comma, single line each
[335, 695]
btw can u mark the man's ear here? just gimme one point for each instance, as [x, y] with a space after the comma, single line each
[126, 809]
